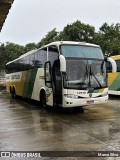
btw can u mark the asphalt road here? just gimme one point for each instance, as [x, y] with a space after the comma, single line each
[25, 126]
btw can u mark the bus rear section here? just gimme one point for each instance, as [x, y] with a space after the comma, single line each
[113, 69]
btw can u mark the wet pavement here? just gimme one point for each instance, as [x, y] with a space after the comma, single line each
[25, 126]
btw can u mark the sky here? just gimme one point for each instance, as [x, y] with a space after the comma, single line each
[30, 20]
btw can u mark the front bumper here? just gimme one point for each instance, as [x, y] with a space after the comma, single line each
[70, 102]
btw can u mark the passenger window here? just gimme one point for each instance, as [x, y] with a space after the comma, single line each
[40, 58]
[21, 65]
[109, 67]
[118, 65]
[52, 54]
[31, 61]
[26, 63]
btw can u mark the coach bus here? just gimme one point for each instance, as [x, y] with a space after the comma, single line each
[65, 73]
[113, 69]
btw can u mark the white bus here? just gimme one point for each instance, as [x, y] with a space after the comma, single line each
[113, 69]
[65, 73]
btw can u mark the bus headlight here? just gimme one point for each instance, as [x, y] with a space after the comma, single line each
[71, 96]
[104, 94]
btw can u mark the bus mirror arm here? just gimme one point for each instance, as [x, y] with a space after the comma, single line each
[62, 63]
[106, 56]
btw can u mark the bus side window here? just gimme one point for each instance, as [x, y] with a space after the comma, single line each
[26, 62]
[52, 54]
[40, 58]
[109, 67]
[118, 65]
[31, 61]
[21, 64]
[11, 67]
[8, 68]
[16, 67]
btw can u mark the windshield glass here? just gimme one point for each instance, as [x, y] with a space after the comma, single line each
[81, 51]
[85, 73]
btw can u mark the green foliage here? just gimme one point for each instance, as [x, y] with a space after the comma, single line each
[9, 52]
[2, 56]
[77, 31]
[30, 46]
[13, 51]
[50, 37]
[108, 37]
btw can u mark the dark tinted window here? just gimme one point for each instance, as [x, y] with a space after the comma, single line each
[26, 63]
[40, 58]
[118, 65]
[31, 61]
[109, 67]
[21, 65]
[52, 54]
[12, 67]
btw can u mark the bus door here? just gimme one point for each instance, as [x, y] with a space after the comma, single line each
[56, 78]
[112, 74]
[57, 82]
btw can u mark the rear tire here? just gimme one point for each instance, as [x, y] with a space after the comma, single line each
[10, 90]
[13, 93]
[43, 98]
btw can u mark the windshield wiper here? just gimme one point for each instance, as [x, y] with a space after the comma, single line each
[84, 77]
[91, 73]
[80, 83]
[86, 74]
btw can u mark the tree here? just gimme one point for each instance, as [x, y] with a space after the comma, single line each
[50, 37]
[9, 52]
[108, 38]
[29, 47]
[13, 51]
[77, 31]
[2, 56]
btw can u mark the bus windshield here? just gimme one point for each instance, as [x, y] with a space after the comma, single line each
[80, 74]
[81, 51]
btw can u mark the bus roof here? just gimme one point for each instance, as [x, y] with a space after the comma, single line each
[116, 57]
[57, 43]
[24, 55]
[28, 53]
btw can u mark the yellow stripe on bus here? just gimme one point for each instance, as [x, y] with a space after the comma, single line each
[101, 90]
[111, 77]
[19, 86]
[117, 57]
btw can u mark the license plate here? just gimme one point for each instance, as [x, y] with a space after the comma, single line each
[90, 102]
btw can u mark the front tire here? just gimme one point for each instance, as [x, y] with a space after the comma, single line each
[78, 109]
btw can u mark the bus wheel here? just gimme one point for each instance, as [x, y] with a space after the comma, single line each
[42, 98]
[78, 109]
[10, 90]
[13, 92]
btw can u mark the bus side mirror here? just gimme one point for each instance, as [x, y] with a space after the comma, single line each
[62, 63]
